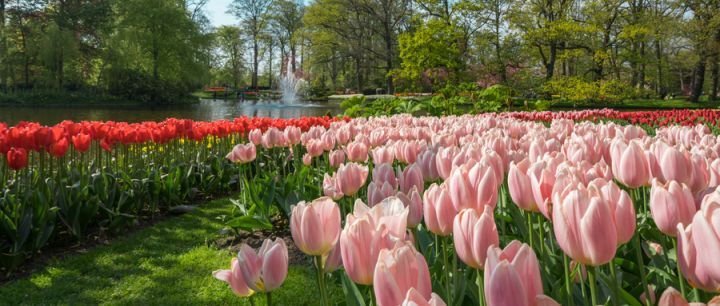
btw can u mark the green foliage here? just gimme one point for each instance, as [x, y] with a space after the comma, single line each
[168, 263]
[142, 87]
[577, 90]
[430, 54]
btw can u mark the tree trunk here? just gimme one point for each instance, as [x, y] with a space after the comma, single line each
[255, 62]
[292, 56]
[388, 58]
[641, 73]
[270, 74]
[715, 72]
[659, 83]
[698, 78]
[3, 48]
[550, 65]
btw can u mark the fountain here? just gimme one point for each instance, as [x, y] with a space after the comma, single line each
[291, 86]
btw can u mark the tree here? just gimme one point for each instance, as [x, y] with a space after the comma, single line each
[231, 48]
[430, 53]
[704, 33]
[253, 14]
[287, 19]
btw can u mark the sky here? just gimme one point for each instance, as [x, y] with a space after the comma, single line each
[216, 11]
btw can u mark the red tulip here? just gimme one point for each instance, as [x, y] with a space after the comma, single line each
[81, 142]
[59, 148]
[17, 158]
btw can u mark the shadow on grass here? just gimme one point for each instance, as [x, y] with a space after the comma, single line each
[169, 263]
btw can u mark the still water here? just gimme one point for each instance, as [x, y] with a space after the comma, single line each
[206, 110]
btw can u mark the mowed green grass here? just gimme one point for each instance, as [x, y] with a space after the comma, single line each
[169, 263]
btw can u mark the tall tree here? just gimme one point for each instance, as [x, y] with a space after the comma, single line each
[287, 19]
[253, 15]
[231, 47]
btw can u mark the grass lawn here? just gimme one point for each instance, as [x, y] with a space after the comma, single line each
[169, 263]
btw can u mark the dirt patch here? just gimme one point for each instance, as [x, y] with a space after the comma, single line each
[281, 229]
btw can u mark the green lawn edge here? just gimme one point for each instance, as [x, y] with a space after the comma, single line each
[169, 263]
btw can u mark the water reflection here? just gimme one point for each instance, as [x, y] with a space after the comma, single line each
[206, 110]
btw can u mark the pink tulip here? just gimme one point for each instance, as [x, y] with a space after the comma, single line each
[409, 178]
[438, 210]
[315, 227]
[343, 135]
[444, 161]
[629, 164]
[331, 188]
[273, 138]
[700, 173]
[265, 270]
[384, 173]
[621, 207]
[473, 234]
[383, 155]
[328, 140]
[333, 260]
[428, 166]
[357, 152]
[360, 246]
[413, 201]
[398, 270]
[315, 148]
[512, 276]
[676, 165]
[699, 246]
[544, 300]
[473, 187]
[292, 135]
[351, 177]
[255, 136]
[672, 297]
[368, 231]
[390, 213]
[337, 157]
[379, 191]
[714, 173]
[584, 228]
[520, 187]
[542, 181]
[242, 153]
[307, 159]
[234, 278]
[414, 298]
[671, 204]
[652, 299]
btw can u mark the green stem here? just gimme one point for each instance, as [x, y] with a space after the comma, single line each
[269, 298]
[481, 287]
[530, 228]
[677, 266]
[321, 281]
[541, 230]
[568, 289]
[593, 287]
[448, 293]
[252, 300]
[616, 286]
[641, 265]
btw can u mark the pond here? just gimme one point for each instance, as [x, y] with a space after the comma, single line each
[205, 110]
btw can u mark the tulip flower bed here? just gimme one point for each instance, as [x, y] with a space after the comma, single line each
[490, 209]
[60, 181]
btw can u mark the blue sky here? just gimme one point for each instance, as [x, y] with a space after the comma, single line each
[216, 12]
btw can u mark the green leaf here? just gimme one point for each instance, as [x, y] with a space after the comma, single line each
[352, 294]
[249, 223]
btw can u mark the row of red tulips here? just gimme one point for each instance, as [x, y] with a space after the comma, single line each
[493, 210]
[17, 141]
[655, 118]
[64, 179]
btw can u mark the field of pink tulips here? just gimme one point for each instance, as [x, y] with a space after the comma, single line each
[545, 208]
[571, 208]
